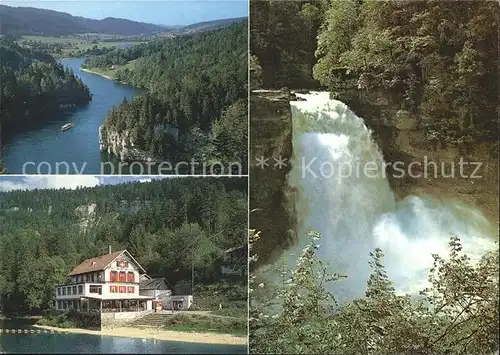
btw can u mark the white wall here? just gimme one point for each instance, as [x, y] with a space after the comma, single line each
[105, 276]
[119, 318]
[186, 300]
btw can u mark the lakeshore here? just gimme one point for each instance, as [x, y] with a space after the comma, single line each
[43, 142]
[97, 73]
[152, 333]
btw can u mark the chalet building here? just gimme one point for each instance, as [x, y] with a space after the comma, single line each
[107, 283]
[162, 293]
[157, 288]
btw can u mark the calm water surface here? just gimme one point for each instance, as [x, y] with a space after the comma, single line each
[50, 343]
[93, 344]
[79, 147]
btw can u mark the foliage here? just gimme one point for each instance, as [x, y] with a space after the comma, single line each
[71, 319]
[197, 91]
[232, 296]
[335, 35]
[29, 20]
[458, 315]
[71, 47]
[255, 73]
[435, 59]
[32, 82]
[204, 323]
[168, 225]
[283, 39]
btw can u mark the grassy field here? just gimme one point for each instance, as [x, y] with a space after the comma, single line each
[44, 39]
[111, 73]
[231, 296]
[202, 323]
[75, 41]
[72, 45]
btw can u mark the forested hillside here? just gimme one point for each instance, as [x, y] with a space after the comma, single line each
[437, 60]
[283, 39]
[34, 21]
[166, 225]
[207, 25]
[458, 313]
[32, 82]
[197, 85]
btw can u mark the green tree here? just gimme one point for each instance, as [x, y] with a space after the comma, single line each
[459, 314]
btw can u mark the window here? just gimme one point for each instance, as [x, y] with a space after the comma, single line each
[69, 291]
[122, 276]
[59, 304]
[59, 292]
[92, 277]
[64, 291]
[95, 289]
[130, 289]
[112, 289]
[100, 276]
[113, 276]
[65, 304]
[130, 276]
[122, 289]
[80, 289]
[74, 290]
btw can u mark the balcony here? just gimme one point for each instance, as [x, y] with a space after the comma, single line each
[72, 291]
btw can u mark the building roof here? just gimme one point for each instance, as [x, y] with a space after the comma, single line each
[151, 284]
[100, 263]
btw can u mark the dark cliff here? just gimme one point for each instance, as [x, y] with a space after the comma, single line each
[271, 199]
[402, 137]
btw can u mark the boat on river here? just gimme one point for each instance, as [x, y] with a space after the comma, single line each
[67, 126]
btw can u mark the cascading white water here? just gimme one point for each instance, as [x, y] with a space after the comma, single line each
[344, 194]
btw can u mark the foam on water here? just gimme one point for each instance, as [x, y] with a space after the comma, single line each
[356, 210]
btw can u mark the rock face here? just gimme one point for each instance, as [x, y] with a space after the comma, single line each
[271, 199]
[122, 146]
[87, 215]
[86, 211]
[401, 137]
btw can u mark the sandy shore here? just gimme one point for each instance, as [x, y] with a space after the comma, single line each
[96, 73]
[151, 333]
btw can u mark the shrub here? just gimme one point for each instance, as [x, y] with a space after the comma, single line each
[459, 313]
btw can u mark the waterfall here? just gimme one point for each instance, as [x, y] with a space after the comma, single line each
[343, 193]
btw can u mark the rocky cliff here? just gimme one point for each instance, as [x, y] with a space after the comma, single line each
[445, 166]
[271, 199]
[87, 215]
[122, 146]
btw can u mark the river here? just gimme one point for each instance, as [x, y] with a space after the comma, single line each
[43, 145]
